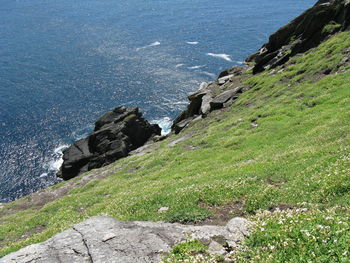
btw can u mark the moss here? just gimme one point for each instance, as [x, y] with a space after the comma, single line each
[331, 28]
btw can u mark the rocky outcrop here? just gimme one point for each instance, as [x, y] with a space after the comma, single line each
[307, 31]
[209, 97]
[225, 98]
[104, 239]
[116, 133]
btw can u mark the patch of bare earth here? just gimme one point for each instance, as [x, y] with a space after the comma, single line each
[223, 214]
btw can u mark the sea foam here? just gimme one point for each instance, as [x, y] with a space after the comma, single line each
[164, 123]
[157, 43]
[57, 161]
[223, 56]
[196, 67]
[192, 42]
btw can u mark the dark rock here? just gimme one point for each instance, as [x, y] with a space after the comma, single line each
[179, 126]
[159, 138]
[236, 71]
[196, 102]
[202, 102]
[225, 79]
[194, 108]
[116, 133]
[303, 33]
[219, 101]
[327, 71]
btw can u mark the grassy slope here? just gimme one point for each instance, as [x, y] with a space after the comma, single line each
[299, 156]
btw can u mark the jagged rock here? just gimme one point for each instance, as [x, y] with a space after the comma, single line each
[219, 101]
[202, 102]
[104, 240]
[195, 103]
[235, 71]
[203, 86]
[206, 99]
[116, 133]
[193, 109]
[223, 80]
[179, 126]
[307, 31]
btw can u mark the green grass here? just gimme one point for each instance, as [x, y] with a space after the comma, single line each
[331, 28]
[299, 235]
[300, 153]
[189, 251]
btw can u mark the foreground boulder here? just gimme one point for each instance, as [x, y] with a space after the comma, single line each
[307, 31]
[116, 133]
[104, 239]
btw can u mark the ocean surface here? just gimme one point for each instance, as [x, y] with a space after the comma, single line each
[64, 63]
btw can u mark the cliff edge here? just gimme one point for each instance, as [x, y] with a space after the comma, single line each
[307, 31]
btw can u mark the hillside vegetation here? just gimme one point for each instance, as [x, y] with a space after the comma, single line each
[280, 155]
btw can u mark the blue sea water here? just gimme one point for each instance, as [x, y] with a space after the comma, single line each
[64, 63]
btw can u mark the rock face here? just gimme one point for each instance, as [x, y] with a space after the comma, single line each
[307, 31]
[203, 101]
[229, 95]
[116, 133]
[104, 239]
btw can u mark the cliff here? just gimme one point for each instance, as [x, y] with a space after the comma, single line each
[303, 33]
[267, 143]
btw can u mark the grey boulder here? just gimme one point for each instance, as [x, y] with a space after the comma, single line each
[105, 239]
[219, 101]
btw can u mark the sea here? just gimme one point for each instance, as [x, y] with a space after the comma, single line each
[63, 63]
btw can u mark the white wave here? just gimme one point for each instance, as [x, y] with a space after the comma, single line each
[157, 43]
[212, 75]
[164, 123]
[223, 56]
[44, 175]
[179, 65]
[192, 42]
[56, 160]
[171, 102]
[196, 67]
